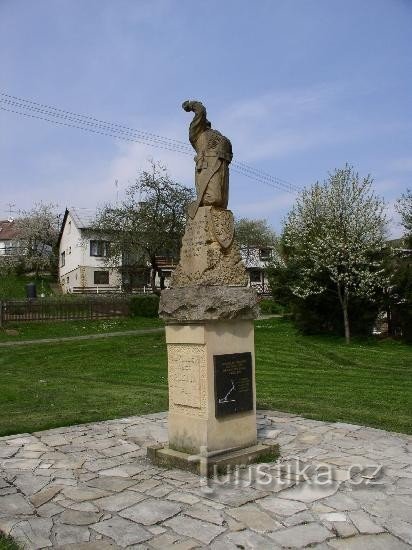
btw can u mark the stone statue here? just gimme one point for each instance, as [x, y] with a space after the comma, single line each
[209, 256]
[213, 156]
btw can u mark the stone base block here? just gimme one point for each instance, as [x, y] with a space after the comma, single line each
[214, 463]
[208, 303]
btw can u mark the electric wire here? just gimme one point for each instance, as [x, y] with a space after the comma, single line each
[88, 123]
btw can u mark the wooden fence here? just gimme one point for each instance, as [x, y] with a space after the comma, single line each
[75, 308]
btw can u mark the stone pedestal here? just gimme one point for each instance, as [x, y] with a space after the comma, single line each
[193, 421]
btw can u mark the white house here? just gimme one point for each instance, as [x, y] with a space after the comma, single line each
[257, 260]
[82, 255]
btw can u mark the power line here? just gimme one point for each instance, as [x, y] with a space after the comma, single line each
[61, 117]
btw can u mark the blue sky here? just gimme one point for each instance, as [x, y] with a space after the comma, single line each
[299, 86]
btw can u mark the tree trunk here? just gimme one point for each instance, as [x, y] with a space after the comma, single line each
[346, 321]
[344, 299]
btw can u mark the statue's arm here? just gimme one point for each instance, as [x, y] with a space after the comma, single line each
[199, 123]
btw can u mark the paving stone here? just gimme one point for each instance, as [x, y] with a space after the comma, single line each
[301, 535]
[80, 494]
[151, 511]
[15, 505]
[164, 541]
[333, 516]
[7, 452]
[281, 507]
[119, 501]
[79, 506]
[341, 501]
[126, 470]
[393, 506]
[186, 498]
[7, 524]
[156, 529]
[97, 545]
[20, 463]
[111, 483]
[74, 517]
[344, 529]
[71, 534]
[119, 449]
[205, 513]
[34, 533]
[146, 485]
[8, 491]
[45, 495]
[231, 496]
[33, 468]
[251, 516]
[53, 440]
[194, 528]
[49, 510]
[187, 544]
[401, 529]
[364, 523]
[384, 541]
[161, 491]
[298, 519]
[122, 531]
[309, 492]
[245, 539]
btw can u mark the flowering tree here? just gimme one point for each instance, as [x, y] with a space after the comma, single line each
[38, 232]
[336, 234]
[404, 207]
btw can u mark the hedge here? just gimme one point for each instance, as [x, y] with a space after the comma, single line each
[146, 305]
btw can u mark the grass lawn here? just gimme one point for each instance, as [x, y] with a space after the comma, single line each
[319, 377]
[7, 543]
[56, 329]
[14, 286]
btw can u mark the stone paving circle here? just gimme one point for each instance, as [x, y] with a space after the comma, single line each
[91, 487]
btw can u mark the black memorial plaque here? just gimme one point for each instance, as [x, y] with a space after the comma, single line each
[233, 383]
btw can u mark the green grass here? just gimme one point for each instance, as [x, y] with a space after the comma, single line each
[58, 329]
[14, 286]
[43, 386]
[366, 382]
[7, 543]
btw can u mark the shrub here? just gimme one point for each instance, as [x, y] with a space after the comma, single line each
[270, 307]
[146, 305]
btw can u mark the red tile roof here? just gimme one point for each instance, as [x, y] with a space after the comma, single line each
[8, 230]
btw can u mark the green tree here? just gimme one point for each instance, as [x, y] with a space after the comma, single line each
[333, 243]
[253, 234]
[149, 223]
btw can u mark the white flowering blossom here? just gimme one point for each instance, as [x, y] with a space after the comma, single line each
[338, 228]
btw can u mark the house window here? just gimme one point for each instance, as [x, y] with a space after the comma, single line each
[265, 254]
[255, 276]
[99, 248]
[62, 259]
[101, 277]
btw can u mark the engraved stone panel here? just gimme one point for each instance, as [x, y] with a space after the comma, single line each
[187, 378]
[233, 383]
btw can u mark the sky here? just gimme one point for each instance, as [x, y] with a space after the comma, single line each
[300, 87]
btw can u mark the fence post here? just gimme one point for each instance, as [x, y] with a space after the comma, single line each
[1, 313]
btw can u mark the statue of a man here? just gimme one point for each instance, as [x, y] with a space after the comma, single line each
[213, 156]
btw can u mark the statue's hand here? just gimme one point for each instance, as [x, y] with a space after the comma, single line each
[187, 105]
